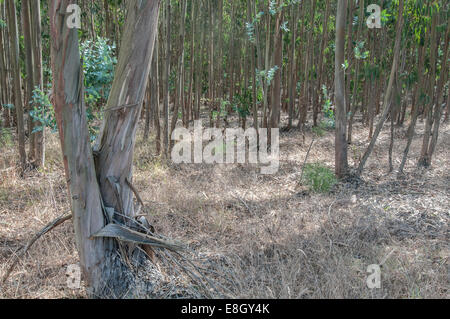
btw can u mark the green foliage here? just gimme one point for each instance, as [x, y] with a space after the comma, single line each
[268, 75]
[318, 130]
[242, 102]
[42, 111]
[6, 139]
[327, 110]
[358, 50]
[319, 177]
[98, 69]
[223, 110]
[8, 106]
[2, 24]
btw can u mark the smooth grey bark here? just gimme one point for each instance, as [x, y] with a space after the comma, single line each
[38, 78]
[415, 109]
[29, 66]
[388, 95]
[443, 77]
[424, 159]
[166, 126]
[17, 82]
[341, 160]
[3, 74]
[96, 185]
[278, 61]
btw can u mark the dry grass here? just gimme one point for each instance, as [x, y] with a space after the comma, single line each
[268, 236]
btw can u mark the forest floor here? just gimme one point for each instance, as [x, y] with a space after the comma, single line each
[256, 236]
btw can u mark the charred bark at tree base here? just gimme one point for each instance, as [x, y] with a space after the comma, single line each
[118, 280]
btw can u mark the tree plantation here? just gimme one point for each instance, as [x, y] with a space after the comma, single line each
[249, 149]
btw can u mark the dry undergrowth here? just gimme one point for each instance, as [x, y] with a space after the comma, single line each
[256, 236]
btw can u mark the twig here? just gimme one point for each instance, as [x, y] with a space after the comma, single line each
[306, 158]
[58, 221]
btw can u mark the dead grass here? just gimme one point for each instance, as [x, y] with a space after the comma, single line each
[268, 236]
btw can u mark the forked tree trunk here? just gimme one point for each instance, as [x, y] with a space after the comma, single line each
[105, 183]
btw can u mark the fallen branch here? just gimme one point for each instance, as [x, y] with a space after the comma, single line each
[306, 158]
[126, 234]
[58, 221]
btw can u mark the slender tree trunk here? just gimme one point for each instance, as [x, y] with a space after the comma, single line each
[425, 158]
[211, 83]
[147, 109]
[166, 82]
[350, 53]
[3, 74]
[29, 64]
[292, 77]
[415, 108]
[180, 70]
[190, 111]
[38, 79]
[154, 97]
[14, 54]
[341, 161]
[354, 100]
[278, 60]
[443, 77]
[393, 114]
[266, 67]
[320, 71]
[219, 62]
[387, 97]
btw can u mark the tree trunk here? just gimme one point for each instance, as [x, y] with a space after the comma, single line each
[154, 97]
[341, 161]
[443, 77]
[425, 158]
[180, 72]
[354, 100]
[292, 76]
[278, 61]
[387, 97]
[166, 128]
[320, 71]
[14, 55]
[415, 108]
[3, 75]
[101, 187]
[38, 75]
[29, 66]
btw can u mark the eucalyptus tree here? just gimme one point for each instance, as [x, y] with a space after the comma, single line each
[17, 81]
[99, 179]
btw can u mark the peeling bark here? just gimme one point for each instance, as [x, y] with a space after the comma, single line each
[94, 185]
